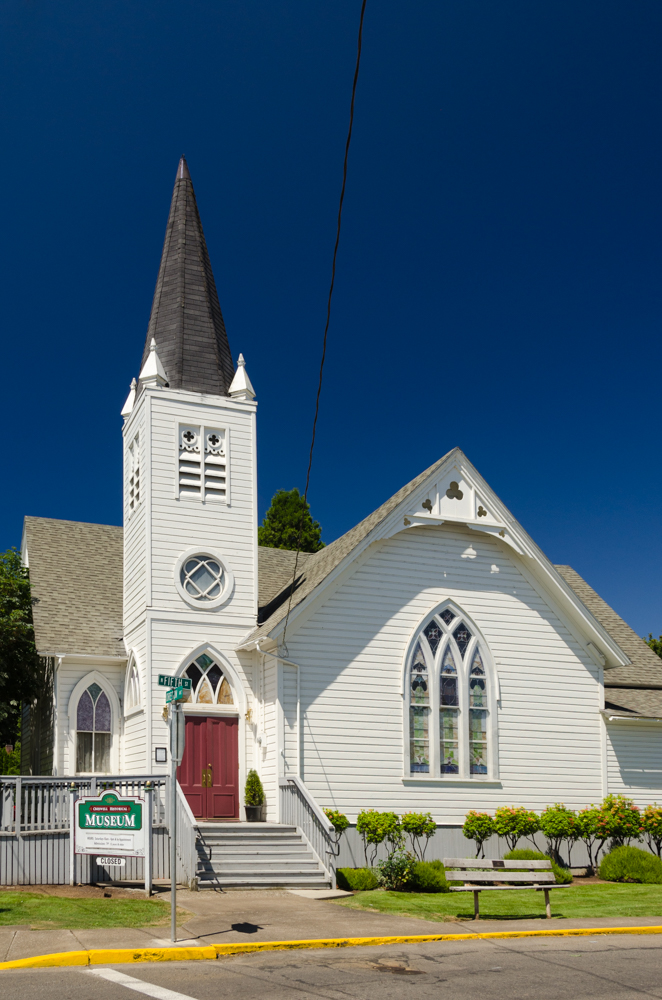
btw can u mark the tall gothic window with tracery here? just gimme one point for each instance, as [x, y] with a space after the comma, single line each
[448, 700]
[93, 732]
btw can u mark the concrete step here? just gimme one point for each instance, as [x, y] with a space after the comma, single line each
[219, 854]
[260, 882]
[249, 839]
[245, 868]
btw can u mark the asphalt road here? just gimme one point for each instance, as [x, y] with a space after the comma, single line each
[610, 968]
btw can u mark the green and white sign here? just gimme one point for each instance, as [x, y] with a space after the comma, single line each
[175, 694]
[168, 681]
[110, 824]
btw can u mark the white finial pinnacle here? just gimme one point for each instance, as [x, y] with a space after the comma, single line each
[241, 387]
[127, 409]
[152, 371]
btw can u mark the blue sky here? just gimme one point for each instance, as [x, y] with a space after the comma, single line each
[498, 283]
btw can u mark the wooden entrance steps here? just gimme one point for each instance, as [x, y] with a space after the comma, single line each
[256, 856]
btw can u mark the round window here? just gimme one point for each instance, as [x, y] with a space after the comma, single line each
[203, 579]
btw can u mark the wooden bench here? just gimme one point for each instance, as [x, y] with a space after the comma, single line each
[479, 874]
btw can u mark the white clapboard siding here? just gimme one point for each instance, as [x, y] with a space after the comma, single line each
[290, 738]
[352, 645]
[634, 760]
[268, 769]
[68, 675]
[160, 627]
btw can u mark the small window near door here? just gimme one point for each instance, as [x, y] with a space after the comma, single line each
[209, 686]
[93, 725]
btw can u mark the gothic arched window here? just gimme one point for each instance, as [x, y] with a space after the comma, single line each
[93, 731]
[132, 687]
[449, 704]
[209, 685]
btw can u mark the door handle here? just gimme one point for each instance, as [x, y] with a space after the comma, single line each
[206, 777]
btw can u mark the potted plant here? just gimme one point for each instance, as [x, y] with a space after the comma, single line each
[253, 797]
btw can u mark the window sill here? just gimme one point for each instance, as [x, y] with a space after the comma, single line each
[449, 779]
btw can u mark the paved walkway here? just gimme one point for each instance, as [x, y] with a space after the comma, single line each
[274, 915]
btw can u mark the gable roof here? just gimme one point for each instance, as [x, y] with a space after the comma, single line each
[645, 668]
[186, 320]
[76, 579]
[320, 564]
[638, 702]
[76, 583]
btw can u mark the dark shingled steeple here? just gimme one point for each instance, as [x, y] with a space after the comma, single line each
[186, 320]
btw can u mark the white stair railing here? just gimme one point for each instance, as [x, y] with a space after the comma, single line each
[187, 831]
[299, 808]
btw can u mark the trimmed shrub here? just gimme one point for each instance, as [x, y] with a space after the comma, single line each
[479, 827]
[395, 871]
[514, 822]
[427, 876]
[375, 828]
[631, 864]
[652, 823]
[586, 824]
[338, 819]
[419, 827]
[562, 875]
[254, 792]
[356, 879]
[620, 820]
[559, 825]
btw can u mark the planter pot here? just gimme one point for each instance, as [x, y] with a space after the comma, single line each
[253, 814]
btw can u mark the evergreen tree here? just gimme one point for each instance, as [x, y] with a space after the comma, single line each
[655, 644]
[288, 515]
[19, 661]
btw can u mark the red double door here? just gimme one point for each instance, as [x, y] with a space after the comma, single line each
[209, 772]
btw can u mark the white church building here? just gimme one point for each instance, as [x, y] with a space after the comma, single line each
[431, 659]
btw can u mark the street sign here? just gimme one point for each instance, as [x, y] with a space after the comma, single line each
[112, 823]
[177, 735]
[175, 694]
[168, 681]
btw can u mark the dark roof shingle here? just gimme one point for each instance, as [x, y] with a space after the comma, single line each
[645, 670]
[76, 578]
[186, 320]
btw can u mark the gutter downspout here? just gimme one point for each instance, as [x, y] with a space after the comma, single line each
[290, 663]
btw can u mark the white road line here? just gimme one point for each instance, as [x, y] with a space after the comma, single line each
[160, 992]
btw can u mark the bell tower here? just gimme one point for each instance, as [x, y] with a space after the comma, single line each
[190, 487]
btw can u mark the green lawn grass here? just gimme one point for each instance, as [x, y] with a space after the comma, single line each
[58, 912]
[597, 900]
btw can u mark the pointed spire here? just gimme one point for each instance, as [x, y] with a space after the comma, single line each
[127, 409]
[186, 320]
[152, 372]
[241, 387]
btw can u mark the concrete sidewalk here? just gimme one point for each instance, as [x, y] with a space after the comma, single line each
[274, 915]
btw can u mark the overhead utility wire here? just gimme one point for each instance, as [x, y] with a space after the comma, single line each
[328, 315]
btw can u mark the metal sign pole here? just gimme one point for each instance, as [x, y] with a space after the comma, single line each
[149, 792]
[173, 821]
[72, 833]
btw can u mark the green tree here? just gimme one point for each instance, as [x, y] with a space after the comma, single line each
[419, 827]
[479, 827]
[586, 825]
[655, 644]
[620, 819]
[19, 661]
[652, 823]
[287, 518]
[514, 822]
[558, 824]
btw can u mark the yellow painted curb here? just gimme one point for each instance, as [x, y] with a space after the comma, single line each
[121, 956]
